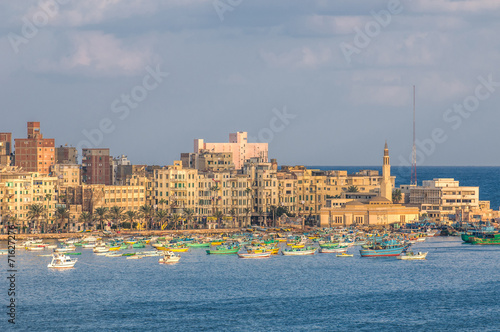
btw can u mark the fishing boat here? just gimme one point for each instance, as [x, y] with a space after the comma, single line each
[329, 245]
[386, 248]
[199, 244]
[134, 257]
[35, 248]
[113, 254]
[61, 261]
[485, 239]
[129, 254]
[4, 251]
[139, 245]
[255, 255]
[100, 249]
[410, 255]
[89, 245]
[332, 250]
[169, 258]
[299, 252]
[345, 255]
[223, 250]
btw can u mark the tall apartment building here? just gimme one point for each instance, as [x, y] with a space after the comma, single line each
[66, 155]
[121, 170]
[96, 166]
[208, 161]
[5, 149]
[35, 153]
[239, 147]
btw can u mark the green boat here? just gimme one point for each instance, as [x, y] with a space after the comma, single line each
[73, 253]
[329, 245]
[77, 244]
[199, 245]
[223, 250]
[129, 254]
[486, 239]
[124, 246]
[138, 245]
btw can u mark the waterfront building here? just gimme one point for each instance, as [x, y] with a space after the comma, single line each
[239, 147]
[67, 174]
[96, 166]
[443, 198]
[5, 149]
[378, 211]
[66, 155]
[121, 170]
[35, 153]
[205, 161]
[20, 189]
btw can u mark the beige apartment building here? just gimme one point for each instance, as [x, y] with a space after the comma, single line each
[20, 189]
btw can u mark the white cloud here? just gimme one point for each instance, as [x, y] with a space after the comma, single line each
[94, 53]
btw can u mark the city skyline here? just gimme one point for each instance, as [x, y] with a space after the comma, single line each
[320, 82]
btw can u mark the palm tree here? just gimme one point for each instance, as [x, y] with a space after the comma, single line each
[86, 218]
[162, 202]
[35, 212]
[176, 219]
[232, 212]
[352, 189]
[396, 196]
[218, 215]
[61, 213]
[247, 212]
[131, 216]
[161, 216]
[101, 215]
[188, 213]
[147, 212]
[116, 214]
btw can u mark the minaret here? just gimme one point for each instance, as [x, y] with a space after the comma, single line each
[386, 185]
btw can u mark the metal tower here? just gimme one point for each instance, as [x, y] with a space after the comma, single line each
[414, 151]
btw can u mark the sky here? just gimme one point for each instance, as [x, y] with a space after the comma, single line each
[323, 82]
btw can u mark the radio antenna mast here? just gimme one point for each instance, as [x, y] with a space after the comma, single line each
[414, 151]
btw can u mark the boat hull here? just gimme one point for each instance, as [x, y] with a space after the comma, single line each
[381, 252]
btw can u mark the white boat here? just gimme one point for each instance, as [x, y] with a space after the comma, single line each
[345, 255]
[4, 251]
[412, 256]
[112, 254]
[100, 249]
[65, 249]
[61, 261]
[169, 258]
[90, 245]
[52, 246]
[298, 252]
[421, 239]
[34, 248]
[332, 250]
[255, 255]
[135, 257]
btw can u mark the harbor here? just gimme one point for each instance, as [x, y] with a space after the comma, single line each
[227, 292]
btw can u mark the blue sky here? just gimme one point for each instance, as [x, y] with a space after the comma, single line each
[323, 82]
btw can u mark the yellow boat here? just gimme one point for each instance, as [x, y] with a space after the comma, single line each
[114, 248]
[178, 249]
[298, 246]
[281, 239]
[217, 243]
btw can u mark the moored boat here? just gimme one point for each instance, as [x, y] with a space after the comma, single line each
[299, 252]
[255, 255]
[345, 255]
[61, 261]
[223, 250]
[169, 258]
[410, 255]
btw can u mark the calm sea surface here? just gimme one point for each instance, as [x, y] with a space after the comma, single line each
[457, 288]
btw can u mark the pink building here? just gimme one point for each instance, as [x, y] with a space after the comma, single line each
[238, 145]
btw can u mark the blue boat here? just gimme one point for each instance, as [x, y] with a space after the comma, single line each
[383, 249]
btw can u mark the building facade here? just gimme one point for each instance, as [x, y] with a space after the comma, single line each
[35, 153]
[66, 155]
[239, 147]
[96, 166]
